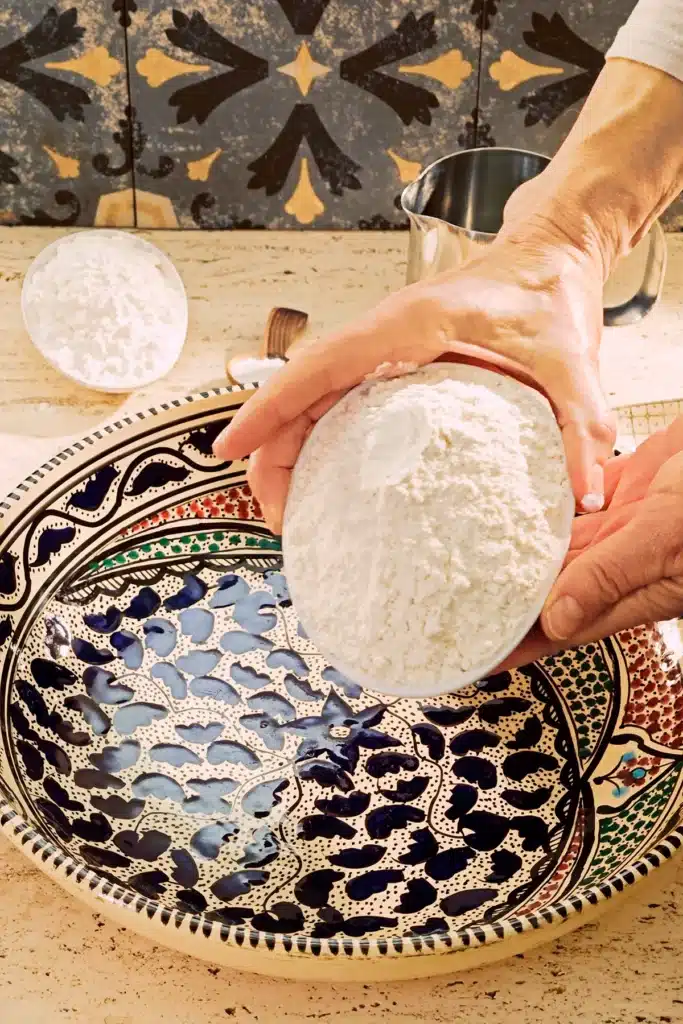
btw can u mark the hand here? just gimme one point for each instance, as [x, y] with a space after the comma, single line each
[625, 564]
[531, 304]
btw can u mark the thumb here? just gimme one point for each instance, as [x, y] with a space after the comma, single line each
[603, 576]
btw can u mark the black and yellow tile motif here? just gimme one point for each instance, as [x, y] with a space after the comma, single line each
[63, 92]
[297, 113]
[539, 61]
[274, 113]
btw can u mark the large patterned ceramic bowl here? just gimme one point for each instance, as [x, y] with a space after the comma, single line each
[176, 752]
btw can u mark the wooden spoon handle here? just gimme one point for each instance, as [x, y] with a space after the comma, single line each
[283, 327]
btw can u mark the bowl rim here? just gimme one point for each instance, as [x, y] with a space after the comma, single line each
[73, 873]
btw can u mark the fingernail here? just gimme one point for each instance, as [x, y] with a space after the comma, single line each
[219, 442]
[592, 502]
[563, 618]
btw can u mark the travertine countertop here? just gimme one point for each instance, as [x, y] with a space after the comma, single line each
[61, 962]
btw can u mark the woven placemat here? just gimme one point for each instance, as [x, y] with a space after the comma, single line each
[635, 423]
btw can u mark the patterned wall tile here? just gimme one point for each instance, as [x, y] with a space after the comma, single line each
[539, 61]
[275, 113]
[63, 95]
[294, 113]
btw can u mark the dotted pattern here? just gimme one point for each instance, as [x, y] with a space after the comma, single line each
[554, 887]
[655, 701]
[257, 702]
[621, 836]
[193, 544]
[586, 684]
[235, 503]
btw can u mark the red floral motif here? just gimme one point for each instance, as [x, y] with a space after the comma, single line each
[554, 885]
[656, 686]
[235, 503]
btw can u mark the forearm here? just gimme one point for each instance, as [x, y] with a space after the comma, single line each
[621, 164]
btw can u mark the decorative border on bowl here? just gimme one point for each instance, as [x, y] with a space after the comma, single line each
[56, 863]
[105, 431]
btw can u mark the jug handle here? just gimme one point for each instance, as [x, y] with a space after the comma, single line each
[640, 304]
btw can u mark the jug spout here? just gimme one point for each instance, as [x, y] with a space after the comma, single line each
[435, 245]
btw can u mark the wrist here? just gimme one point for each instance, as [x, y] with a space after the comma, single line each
[556, 225]
[619, 168]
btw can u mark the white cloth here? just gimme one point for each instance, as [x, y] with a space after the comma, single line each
[653, 35]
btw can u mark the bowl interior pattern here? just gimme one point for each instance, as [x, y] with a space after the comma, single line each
[166, 722]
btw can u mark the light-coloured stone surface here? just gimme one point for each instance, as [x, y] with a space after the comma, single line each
[59, 961]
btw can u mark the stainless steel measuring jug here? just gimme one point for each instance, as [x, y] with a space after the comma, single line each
[456, 207]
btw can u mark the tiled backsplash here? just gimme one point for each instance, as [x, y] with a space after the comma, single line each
[275, 113]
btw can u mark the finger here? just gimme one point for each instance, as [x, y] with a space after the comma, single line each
[669, 477]
[614, 521]
[608, 572]
[535, 645]
[656, 602]
[588, 432]
[270, 484]
[270, 469]
[395, 331]
[271, 465]
[614, 471]
[649, 462]
[641, 469]
[609, 522]
[585, 470]
[301, 383]
[584, 529]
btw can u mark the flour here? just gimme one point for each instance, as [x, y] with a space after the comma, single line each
[107, 309]
[426, 520]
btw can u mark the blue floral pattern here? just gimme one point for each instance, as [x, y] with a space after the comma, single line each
[217, 745]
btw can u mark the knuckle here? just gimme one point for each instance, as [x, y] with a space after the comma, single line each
[665, 600]
[426, 305]
[668, 481]
[604, 430]
[674, 563]
[609, 582]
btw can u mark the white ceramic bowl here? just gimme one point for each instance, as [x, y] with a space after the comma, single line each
[176, 336]
[509, 642]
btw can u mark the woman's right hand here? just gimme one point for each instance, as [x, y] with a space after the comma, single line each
[530, 304]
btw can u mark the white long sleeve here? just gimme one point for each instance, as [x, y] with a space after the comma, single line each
[653, 35]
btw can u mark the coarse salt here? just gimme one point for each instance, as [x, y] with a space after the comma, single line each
[252, 370]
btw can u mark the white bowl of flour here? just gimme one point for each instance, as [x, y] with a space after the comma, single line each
[428, 517]
[106, 308]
